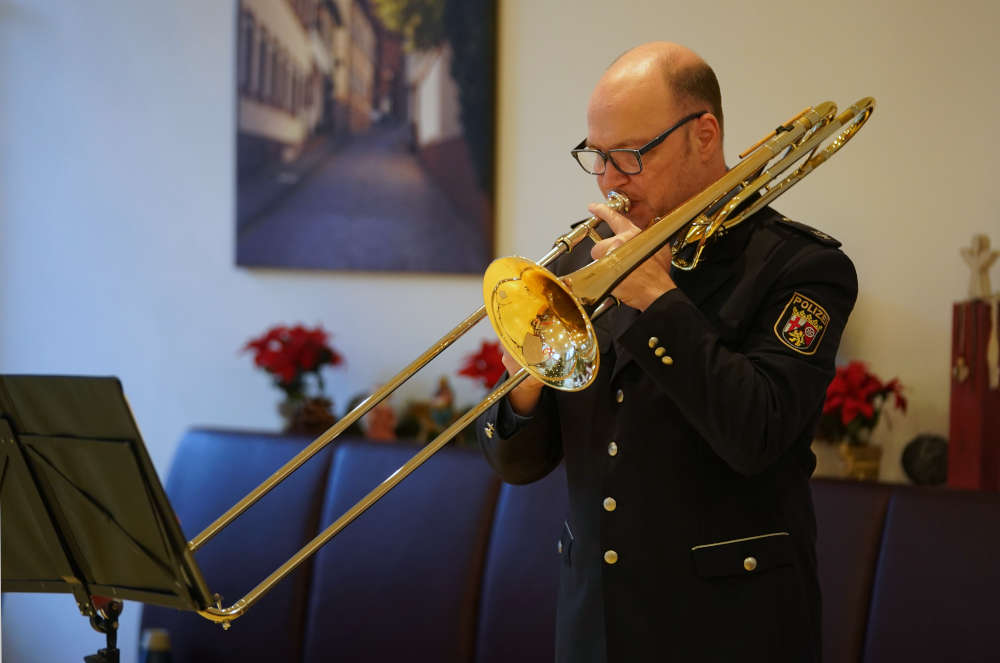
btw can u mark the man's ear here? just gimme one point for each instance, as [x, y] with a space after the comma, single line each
[707, 135]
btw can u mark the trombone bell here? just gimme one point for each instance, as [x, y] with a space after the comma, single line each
[541, 323]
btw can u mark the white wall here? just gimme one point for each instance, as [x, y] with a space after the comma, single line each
[116, 200]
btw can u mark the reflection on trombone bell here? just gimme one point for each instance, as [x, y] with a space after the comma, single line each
[545, 322]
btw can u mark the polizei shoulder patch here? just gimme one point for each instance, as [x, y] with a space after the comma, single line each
[802, 324]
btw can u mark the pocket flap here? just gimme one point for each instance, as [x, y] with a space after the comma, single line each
[748, 556]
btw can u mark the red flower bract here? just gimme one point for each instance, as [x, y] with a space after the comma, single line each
[855, 398]
[288, 353]
[485, 365]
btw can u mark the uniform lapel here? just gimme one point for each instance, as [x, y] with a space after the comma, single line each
[720, 264]
[702, 282]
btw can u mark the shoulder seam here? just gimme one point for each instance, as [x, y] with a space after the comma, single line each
[807, 231]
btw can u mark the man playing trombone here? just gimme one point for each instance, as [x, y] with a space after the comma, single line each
[691, 533]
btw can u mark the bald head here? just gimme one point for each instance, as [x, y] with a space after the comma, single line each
[639, 97]
[686, 78]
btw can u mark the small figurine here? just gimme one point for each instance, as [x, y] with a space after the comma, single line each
[443, 405]
[380, 423]
[979, 258]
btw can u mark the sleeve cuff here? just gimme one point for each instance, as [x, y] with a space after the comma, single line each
[671, 325]
[508, 421]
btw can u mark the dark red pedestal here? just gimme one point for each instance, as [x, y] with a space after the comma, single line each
[974, 436]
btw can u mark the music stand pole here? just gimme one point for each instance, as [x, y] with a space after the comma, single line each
[105, 620]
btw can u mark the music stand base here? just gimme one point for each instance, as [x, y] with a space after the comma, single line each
[103, 656]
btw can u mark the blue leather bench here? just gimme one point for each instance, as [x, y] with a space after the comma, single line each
[453, 565]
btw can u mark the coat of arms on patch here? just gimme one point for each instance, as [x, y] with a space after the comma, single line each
[802, 324]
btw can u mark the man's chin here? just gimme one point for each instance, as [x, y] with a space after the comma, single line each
[639, 216]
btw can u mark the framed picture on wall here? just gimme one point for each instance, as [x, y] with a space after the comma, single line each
[365, 133]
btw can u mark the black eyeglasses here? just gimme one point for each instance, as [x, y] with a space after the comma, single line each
[627, 161]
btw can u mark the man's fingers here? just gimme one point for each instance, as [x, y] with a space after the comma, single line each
[619, 223]
[623, 228]
[530, 384]
[509, 363]
[603, 247]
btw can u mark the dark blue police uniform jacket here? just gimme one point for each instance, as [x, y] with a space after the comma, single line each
[691, 533]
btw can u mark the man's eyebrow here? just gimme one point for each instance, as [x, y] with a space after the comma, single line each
[628, 143]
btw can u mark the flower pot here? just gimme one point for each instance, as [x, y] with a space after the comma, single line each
[829, 461]
[306, 416]
[862, 460]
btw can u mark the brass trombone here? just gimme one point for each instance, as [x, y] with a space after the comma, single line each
[545, 321]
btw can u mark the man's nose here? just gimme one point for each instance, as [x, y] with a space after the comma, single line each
[611, 178]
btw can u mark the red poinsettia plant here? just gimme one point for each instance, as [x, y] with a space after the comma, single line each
[854, 402]
[484, 365]
[289, 354]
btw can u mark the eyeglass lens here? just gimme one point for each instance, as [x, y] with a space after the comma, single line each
[593, 162]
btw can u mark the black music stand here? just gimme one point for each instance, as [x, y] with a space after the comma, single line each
[83, 509]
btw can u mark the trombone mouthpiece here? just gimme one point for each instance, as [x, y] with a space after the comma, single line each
[587, 227]
[619, 202]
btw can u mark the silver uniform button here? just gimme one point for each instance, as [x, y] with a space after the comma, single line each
[619, 396]
[559, 547]
[612, 449]
[610, 556]
[610, 504]
[750, 563]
